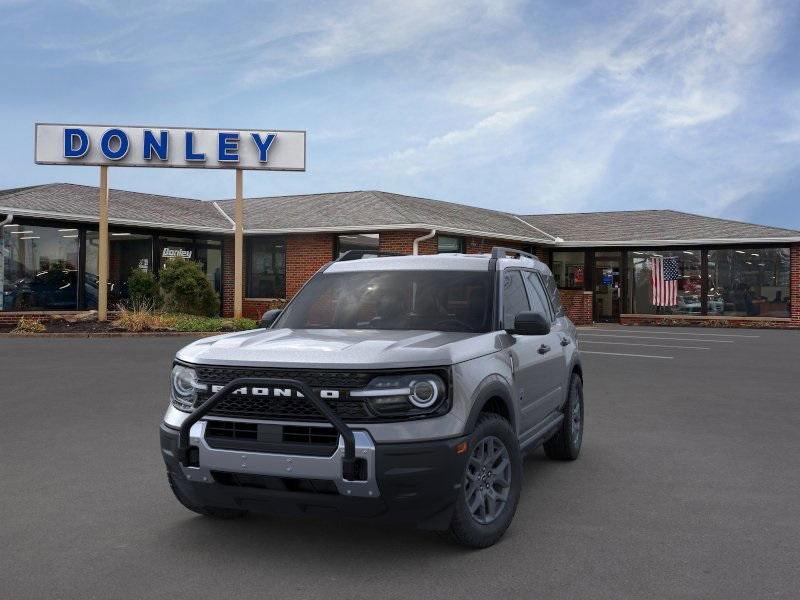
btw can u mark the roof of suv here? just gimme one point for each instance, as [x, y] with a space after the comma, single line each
[431, 262]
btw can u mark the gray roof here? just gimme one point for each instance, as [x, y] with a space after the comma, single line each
[630, 227]
[80, 202]
[363, 211]
[355, 211]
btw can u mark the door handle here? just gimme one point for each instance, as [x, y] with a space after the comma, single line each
[544, 349]
[565, 341]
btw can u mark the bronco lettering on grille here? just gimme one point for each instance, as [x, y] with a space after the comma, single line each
[278, 392]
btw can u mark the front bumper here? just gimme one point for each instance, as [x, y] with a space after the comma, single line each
[412, 482]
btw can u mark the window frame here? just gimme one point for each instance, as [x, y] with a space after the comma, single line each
[248, 272]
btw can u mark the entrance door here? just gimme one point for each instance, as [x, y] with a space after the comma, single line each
[607, 286]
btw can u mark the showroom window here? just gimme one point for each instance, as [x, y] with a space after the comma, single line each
[448, 244]
[39, 267]
[369, 242]
[209, 255]
[748, 282]
[666, 282]
[569, 270]
[266, 267]
[128, 252]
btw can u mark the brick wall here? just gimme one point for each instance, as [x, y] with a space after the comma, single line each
[402, 242]
[577, 305]
[254, 309]
[305, 254]
[228, 265]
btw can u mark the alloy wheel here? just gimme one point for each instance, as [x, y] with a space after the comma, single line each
[487, 482]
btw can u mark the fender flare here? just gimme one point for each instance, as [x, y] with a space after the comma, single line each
[491, 387]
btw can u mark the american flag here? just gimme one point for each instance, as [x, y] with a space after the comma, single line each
[664, 277]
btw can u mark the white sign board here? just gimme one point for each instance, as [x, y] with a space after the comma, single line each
[189, 148]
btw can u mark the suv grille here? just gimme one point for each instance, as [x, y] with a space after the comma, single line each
[270, 407]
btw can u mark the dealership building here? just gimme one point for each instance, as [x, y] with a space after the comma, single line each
[719, 272]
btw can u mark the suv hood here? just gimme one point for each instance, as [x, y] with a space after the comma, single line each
[339, 348]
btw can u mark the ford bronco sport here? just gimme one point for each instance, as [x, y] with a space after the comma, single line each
[404, 388]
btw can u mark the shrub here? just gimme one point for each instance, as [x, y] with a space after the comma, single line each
[141, 317]
[26, 325]
[143, 289]
[186, 289]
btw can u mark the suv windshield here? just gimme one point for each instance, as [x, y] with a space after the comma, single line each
[428, 300]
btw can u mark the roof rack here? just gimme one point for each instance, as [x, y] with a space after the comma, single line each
[501, 252]
[358, 254]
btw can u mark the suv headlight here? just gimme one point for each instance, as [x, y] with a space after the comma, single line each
[184, 388]
[408, 395]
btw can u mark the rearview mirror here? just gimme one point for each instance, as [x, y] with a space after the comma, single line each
[531, 323]
[269, 317]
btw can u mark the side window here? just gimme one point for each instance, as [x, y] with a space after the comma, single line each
[552, 292]
[537, 295]
[515, 299]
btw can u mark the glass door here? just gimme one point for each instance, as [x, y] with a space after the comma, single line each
[607, 285]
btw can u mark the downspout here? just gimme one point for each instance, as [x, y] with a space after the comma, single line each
[427, 236]
[7, 220]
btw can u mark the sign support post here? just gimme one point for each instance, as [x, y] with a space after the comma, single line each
[238, 254]
[102, 255]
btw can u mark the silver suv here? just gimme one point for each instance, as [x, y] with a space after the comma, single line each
[402, 388]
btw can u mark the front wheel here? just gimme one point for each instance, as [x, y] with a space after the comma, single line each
[490, 486]
[566, 443]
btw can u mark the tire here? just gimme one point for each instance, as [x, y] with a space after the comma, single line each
[468, 527]
[566, 443]
[207, 511]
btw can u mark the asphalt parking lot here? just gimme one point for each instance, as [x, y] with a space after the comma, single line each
[688, 486]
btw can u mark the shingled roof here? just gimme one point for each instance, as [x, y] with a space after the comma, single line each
[79, 203]
[363, 211]
[356, 211]
[644, 226]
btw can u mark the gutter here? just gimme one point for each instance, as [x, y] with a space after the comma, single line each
[685, 242]
[422, 238]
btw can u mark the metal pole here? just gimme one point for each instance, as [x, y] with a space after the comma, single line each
[238, 255]
[102, 256]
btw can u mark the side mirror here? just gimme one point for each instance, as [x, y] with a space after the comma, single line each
[531, 323]
[269, 317]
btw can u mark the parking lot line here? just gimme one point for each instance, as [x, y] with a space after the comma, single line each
[632, 331]
[648, 345]
[624, 354]
[651, 337]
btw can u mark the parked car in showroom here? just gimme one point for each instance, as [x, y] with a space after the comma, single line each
[398, 388]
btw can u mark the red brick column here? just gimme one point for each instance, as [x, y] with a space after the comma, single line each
[794, 284]
[228, 263]
[577, 305]
[306, 253]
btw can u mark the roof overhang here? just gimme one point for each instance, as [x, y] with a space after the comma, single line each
[684, 242]
[94, 219]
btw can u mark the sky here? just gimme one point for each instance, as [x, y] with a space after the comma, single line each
[528, 107]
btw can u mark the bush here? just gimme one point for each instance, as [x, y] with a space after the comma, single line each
[143, 289]
[186, 289]
[141, 317]
[26, 325]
